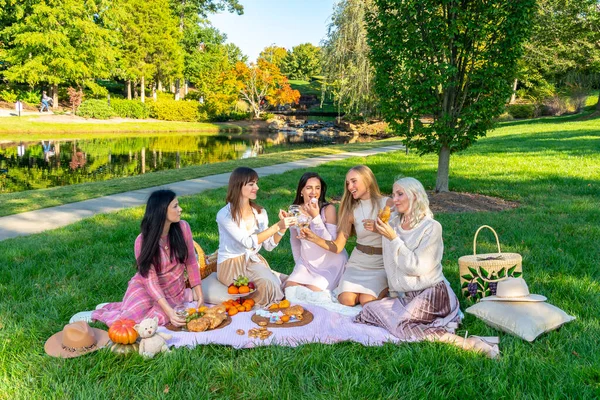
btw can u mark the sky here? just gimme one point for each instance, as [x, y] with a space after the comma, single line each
[285, 23]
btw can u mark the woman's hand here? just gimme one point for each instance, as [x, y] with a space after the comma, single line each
[306, 233]
[385, 229]
[311, 209]
[175, 319]
[369, 225]
[286, 222]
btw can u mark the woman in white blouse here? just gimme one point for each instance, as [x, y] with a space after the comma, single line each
[424, 307]
[243, 230]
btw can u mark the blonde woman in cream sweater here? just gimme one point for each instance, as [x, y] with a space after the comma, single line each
[423, 306]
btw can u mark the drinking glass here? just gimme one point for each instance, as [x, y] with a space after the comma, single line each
[181, 311]
[294, 210]
[304, 221]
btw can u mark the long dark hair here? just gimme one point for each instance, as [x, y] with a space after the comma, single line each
[302, 183]
[152, 227]
[238, 178]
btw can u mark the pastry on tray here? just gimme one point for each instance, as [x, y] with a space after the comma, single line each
[294, 311]
[198, 325]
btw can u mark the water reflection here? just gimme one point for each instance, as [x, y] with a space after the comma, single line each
[36, 165]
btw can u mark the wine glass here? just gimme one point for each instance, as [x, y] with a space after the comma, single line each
[304, 221]
[294, 210]
[181, 312]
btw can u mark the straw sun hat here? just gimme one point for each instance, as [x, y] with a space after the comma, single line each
[76, 339]
[514, 289]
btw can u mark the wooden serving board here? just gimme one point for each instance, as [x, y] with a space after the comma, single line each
[174, 328]
[307, 318]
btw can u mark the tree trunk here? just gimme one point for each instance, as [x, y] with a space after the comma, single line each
[185, 88]
[441, 183]
[160, 87]
[129, 89]
[55, 96]
[513, 98]
[154, 92]
[143, 89]
[177, 90]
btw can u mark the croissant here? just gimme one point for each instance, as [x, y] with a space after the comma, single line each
[296, 311]
[385, 213]
[215, 320]
[198, 325]
[220, 309]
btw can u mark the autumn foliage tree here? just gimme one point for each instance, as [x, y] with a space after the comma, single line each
[263, 81]
[444, 68]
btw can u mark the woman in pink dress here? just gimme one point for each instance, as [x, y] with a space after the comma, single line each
[164, 251]
[315, 268]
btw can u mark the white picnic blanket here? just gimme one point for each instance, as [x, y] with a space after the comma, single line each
[324, 299]
[327, 327]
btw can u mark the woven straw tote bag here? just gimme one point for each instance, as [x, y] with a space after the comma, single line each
[480, 273]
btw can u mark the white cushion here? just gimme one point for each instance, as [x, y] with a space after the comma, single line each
[525, 320]
[214, 292]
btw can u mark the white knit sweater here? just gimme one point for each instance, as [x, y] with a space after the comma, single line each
[413, 260]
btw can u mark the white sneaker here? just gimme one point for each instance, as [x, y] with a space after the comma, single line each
[99, 306]
[82, 316]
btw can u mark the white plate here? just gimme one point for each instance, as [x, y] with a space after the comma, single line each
[237, 296]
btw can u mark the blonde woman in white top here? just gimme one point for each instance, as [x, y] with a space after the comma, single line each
[424, 306]
[243, 230]
[364, 279]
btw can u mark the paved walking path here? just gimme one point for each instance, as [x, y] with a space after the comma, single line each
[54, 217]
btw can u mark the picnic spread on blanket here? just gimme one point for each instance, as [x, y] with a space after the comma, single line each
[391, 289]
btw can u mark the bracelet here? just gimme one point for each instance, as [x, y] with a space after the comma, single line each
[280, 234]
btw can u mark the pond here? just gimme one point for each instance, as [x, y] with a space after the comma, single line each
[43, 164]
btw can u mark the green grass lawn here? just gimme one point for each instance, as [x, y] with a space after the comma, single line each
[550, 166]
[19, 202]
[13, 128]
[306, 87]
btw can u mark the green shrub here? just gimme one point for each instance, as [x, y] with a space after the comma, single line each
[266, 116]
[94, 91]
[98, 109]
[130, 108]
[32, 97]
[504, 117]
[521, 110]
[9, 96]
[171, 110]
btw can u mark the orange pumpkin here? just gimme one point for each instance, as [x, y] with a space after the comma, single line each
[123, 332]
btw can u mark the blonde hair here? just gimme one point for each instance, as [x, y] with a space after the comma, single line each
[349, 203]
[418, 200]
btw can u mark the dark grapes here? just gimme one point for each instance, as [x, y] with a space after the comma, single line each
[472, 289]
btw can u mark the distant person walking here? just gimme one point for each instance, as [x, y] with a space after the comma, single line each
[46, 102]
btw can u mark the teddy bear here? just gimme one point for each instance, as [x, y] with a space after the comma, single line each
[152, 342]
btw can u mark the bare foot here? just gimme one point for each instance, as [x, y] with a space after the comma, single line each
[481, 345]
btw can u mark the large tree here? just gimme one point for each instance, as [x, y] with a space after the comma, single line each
[263, 81]
[149, 42]
[59, 41]
[444, 69]
[346, 65]
[302, 62]
[191, 15]
[274, 54]
[564, 43]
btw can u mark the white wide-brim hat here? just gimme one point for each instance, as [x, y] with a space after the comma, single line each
[513, 289]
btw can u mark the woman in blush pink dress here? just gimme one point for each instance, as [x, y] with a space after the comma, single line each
[316, 268]
[164, 251]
